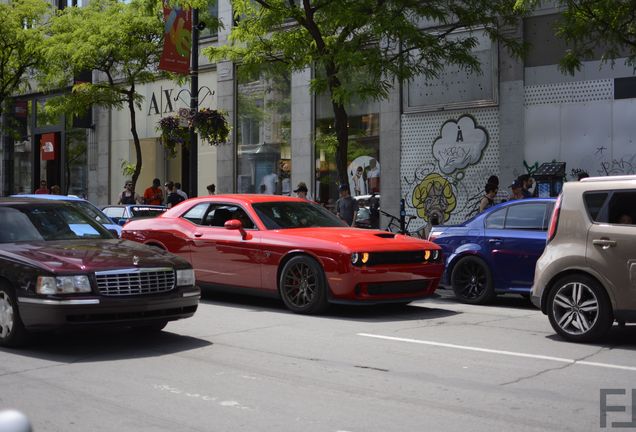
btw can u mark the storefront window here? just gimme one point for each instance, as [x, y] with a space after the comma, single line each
[22, 147]
[263, 133]
[75, 170]
[363, 162]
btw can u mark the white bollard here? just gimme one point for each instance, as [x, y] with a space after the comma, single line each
[14, 421]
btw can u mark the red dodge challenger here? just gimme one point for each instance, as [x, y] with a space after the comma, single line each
[293, 249]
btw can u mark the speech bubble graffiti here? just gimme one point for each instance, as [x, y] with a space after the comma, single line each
[461, 143]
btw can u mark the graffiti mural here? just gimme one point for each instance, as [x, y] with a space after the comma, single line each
[461, 143]
[445, 163]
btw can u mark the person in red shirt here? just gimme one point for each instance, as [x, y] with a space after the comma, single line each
[43, 188]
[154, 194]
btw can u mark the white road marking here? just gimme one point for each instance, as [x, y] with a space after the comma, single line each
[500, 352]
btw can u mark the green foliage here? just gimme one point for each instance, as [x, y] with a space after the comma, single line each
[361, 48]
[593, 27]
[21, 35]
[127, 169]
[121, 41]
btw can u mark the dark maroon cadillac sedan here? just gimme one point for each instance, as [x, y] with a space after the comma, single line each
[59, 268]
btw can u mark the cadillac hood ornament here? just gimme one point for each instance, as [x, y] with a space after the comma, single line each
[135, 260]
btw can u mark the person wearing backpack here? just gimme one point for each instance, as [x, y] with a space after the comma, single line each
[173, 196]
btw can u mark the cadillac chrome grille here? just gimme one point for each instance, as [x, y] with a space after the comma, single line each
[135, 281]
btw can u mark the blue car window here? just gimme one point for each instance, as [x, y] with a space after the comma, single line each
[529, 216]
[496, 219]
[114, 212]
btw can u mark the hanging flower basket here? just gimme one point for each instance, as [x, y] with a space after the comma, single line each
[173, 134]
[211, 126]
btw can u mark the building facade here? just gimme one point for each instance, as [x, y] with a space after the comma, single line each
[432, 143]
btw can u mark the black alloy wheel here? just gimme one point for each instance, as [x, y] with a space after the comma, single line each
[472, 282]
[579, 309]
[302, 285]
[12, 332]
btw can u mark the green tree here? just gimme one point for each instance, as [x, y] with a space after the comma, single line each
[21, 34]
[361, 48]
[590, 27]
[123, 42]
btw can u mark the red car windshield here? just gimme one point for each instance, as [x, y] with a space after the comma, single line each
[280, 215]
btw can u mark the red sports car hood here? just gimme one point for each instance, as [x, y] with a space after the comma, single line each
[357, 239]
[89, 256]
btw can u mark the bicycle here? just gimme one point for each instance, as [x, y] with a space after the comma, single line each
[394, 225]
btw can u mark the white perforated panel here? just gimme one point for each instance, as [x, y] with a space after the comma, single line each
[570, 92]
[448, 182]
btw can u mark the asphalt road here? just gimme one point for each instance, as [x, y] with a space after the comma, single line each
[244, 364]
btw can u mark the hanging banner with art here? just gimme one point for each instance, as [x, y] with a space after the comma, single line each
[177, 41]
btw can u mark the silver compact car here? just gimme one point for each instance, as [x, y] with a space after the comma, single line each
[586, 277]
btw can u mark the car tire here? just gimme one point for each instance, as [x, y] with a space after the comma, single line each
[472, 281]
[303, 286]
[579, 309]
[12, 331]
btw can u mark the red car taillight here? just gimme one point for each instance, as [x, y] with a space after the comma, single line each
[554, 220]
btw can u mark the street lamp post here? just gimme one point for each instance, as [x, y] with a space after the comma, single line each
[194, 105]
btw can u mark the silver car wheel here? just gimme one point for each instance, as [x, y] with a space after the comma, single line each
[6, 315]
[575, 308]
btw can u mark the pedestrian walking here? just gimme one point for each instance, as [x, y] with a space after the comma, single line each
[301, 191]
[516, 191]
[488, 200]
[154, 194]
[526, 183]
[56, 190]
[374, 211]
[181, 193]
[346, 206]
[211, 189]
[43, 189]
[173, 197]
[128, 195]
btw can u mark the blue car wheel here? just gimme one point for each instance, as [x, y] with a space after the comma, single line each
[472, 281]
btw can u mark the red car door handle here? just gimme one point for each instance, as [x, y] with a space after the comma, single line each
[197, 234]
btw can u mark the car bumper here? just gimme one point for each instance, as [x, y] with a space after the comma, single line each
[384, 284]
[39, 313]
[536, 300]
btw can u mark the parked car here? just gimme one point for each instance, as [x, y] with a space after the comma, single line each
[363, 217]
[292, 249]
[120, 214]
[59, 268]
[586, 277]
[83, 204]
[494, 252]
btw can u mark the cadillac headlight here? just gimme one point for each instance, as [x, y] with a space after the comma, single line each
[185, 277]
[63, 285]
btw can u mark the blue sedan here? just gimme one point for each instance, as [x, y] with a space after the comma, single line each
[496, 251]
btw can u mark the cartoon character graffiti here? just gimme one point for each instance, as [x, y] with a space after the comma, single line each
[434, 198]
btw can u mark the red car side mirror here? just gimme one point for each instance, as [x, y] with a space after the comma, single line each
[235, 224]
